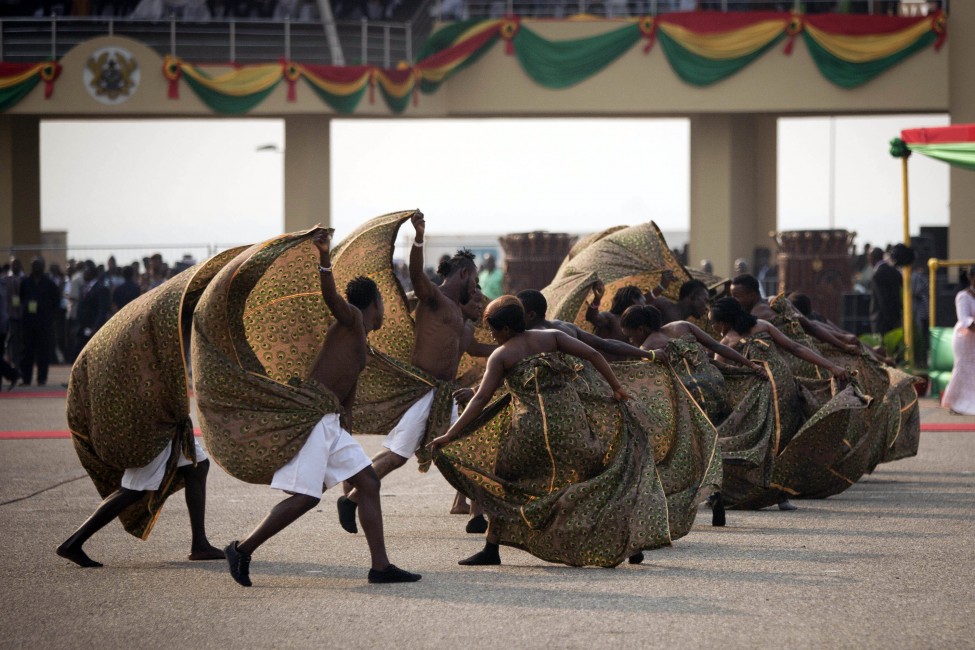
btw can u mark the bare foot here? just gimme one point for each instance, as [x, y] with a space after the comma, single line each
[207, 553]
[77, 556]
[460, 505]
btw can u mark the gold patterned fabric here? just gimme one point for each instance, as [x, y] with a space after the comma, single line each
[571, 476]
[635, 255]
[127, 394]
[257, 329]
[784, 434]
[388, 387]
[891, 428]
[787, 321]
[683, 439]
[692, 364]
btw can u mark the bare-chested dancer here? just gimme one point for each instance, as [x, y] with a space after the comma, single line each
[437, 348]
[692, 301]
[330, 455]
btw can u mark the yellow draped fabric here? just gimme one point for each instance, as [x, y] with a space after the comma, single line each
[727, 45]
[865, 48]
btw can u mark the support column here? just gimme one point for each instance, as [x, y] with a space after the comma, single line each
[733, 188]
[961, 84]
[20, 181]
[307, 172]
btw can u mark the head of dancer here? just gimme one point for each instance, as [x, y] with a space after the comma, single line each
[473, 309]
[506, 318]
[728, 315]
[460, 272]
[626, 297]
[744, 289]
[535, 306]
[640, 321]
[363, 294]
[695, 295]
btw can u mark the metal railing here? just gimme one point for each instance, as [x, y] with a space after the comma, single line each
[366, 42]
[382, 43]
[447, 10]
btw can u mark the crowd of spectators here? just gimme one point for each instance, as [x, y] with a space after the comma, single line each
[307, 10]
[201, 10]
[48, 314]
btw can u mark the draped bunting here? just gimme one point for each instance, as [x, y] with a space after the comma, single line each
[702, 48]
[954, 144]
[18, 79]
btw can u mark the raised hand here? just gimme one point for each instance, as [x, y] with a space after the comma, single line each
[419, 224]
[323, 240]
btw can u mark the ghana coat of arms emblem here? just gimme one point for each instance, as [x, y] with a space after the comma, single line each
[111, 75]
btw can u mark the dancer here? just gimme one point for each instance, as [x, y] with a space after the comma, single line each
[775, 442]
[555, 461]
[688, 347]
[437, 348]
[131, 426]
[307, 458]
[536, 307]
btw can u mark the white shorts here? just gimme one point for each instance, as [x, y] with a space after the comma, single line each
[149, 477]
[327, 458]
[406, 436]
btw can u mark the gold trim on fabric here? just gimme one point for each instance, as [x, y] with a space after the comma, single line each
[790, 491]
[775, 401]
[79, 435]
[541, 407]
[837, 474]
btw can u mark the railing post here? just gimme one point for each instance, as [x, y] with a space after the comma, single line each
[364, 42]
[233, 40]
[386, 53]
[287, 38]
[724, 6]
[54, 37]
[111, 26]
[870, 7]
[172, 33]
[1, 40]
[653, 7]
[511, 7]
[582, 7]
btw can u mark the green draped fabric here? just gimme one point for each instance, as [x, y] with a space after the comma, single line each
[700, 71]
[228, 104]
[560, 64]
[850, 75]
[10, 96]
[345, 104]
[958, 154]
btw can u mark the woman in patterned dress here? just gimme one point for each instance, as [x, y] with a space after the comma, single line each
[778, 439]
[556, 461]
[688, 349]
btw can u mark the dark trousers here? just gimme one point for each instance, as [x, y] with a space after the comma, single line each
[37, 339]
[7, 371]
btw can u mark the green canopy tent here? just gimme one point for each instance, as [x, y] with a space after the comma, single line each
[954, 145]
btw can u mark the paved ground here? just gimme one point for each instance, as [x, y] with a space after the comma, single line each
[887, 564]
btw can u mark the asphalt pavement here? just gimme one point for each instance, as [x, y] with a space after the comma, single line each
[886, 564]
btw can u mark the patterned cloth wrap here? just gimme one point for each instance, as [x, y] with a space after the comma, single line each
[259, 330]
[390, 384]
[692, 364]
[620, 256]
[127, 395]
[785, 434]
[891, 427]
[569, 475]
[256, 332]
